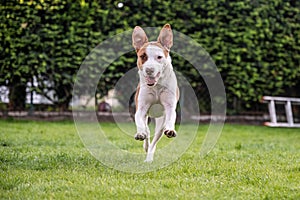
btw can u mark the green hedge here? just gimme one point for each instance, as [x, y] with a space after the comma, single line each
[255, 44]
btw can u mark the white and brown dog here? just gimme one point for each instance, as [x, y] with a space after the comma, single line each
[157, 87]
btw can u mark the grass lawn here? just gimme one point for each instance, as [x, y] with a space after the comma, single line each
[47, 160]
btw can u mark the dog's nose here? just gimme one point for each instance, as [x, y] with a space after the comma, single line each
[149, 71]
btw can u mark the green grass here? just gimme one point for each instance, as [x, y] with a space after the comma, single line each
[47, 160]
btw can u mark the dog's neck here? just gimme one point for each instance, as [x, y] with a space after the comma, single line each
[168, 67]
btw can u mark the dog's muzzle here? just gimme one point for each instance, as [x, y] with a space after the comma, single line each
[152, 80]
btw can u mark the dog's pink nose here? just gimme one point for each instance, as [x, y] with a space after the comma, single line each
[149, 71]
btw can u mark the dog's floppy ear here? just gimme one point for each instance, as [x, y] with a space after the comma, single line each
[139, 38]
[166, 37]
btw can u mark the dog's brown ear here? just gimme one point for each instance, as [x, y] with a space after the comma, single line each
[166, 37]
[139, 38]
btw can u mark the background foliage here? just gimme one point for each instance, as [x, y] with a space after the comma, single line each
[255, 44]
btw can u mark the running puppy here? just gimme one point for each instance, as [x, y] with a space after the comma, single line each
[157, 89]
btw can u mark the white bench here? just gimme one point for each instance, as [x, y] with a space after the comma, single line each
[288, 110]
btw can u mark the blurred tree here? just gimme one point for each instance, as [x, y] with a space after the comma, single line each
[14, 49]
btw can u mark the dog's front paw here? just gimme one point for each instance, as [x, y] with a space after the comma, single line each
[140, 136]
[170, 133]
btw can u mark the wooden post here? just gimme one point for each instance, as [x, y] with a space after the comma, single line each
[289, 113]
[272, 111]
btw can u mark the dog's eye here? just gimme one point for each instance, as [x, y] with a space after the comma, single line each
[143, 56]
[159, 57]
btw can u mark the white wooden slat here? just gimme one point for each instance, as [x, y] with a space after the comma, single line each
[292, 99]
[289, 113]
[272, 111]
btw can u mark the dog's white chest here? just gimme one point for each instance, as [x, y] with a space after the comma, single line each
[153, 95]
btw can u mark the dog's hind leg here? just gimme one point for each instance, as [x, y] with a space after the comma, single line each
[159, 127]
[147, 139]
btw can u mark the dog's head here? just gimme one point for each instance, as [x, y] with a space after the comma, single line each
[152, 56]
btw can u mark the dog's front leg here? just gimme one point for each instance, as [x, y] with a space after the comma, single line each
[170, 121]
[143, 131]
[169, 104]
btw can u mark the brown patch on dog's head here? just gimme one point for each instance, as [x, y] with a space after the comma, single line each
[142, 56]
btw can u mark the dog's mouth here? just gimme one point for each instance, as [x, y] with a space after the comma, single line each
[152, 80]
